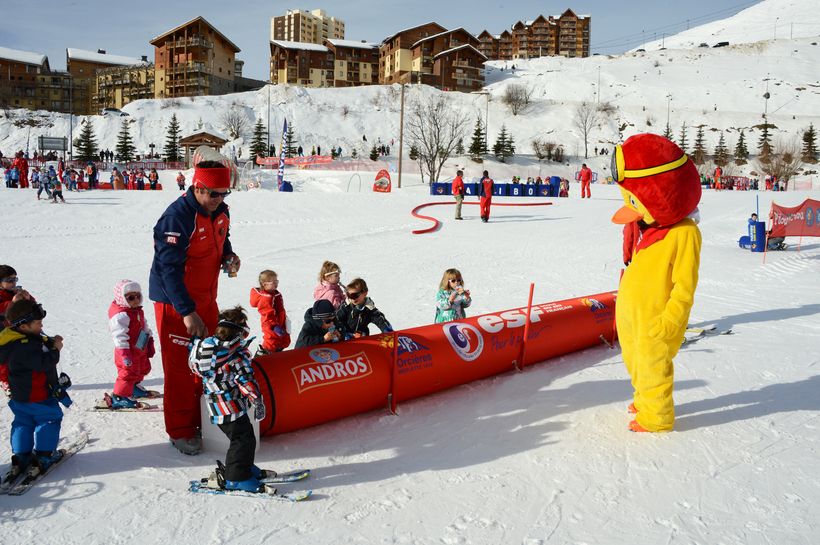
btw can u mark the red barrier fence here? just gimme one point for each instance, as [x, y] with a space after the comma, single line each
[314, 385]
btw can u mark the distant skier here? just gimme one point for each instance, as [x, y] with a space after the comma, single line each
[485, 193]
[585, 175]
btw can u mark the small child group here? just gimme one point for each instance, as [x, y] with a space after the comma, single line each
[29, 358]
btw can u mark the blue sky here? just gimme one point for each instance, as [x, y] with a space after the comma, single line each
[124, 28]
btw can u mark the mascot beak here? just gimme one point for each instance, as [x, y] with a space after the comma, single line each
[626, 215]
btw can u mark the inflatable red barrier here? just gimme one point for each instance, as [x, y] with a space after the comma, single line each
[314, 385]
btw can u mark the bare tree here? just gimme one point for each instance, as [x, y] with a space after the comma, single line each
[586, 117]
[234, 122]
[435, 127]
[784, 161]
[517, 97]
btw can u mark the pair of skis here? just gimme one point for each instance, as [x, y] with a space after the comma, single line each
[694, 334]
[142, 407]
[19, 484]
[212, 485]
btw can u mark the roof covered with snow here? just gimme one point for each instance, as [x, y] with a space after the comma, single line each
[103, 58]
[25, 57]
[352, 43]
[448, 51]
[303, 46]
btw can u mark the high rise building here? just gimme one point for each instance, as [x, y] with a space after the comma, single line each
[306, 26]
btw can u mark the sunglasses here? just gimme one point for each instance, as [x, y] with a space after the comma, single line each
[353, 294]
[218, 195]
[10, 279]
[37, 313]
[133, 297]
[456, 280]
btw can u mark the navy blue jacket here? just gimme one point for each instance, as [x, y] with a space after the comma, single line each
[172, 240]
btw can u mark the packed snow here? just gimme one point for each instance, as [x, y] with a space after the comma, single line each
[534, 457]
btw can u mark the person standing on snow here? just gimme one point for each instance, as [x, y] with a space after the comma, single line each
[586, 178]
[191, 245]
[485, 194]
[458, 192]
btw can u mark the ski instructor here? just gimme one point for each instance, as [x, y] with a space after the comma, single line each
[191, 244]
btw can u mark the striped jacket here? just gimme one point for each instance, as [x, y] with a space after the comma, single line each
[227, 376]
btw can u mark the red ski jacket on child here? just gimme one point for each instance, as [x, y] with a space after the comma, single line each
[272, 309]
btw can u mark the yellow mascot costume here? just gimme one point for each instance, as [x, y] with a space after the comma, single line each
[661, 190]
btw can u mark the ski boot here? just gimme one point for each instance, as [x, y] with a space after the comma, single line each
[634, 426]
[248, 485]
[632, 409]
[261, 474]
[19, 464]
[122, 402]
[44, 459]
[140, 392]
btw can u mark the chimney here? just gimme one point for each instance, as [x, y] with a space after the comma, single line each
[101, 51]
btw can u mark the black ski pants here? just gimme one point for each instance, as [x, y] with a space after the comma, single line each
[239, 460]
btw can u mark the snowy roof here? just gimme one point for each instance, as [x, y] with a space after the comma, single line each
[25, 57]
[194, 20]
[411, 28]
[102, 58]
[460, 47]
[352, 43]
[303, 46]
[442, 34]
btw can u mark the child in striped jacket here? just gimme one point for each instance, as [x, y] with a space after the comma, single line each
[223, 361]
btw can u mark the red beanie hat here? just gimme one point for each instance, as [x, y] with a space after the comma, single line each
[659, 174]
[213, 178]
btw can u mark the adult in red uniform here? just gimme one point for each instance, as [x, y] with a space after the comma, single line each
[22, 167]
[718, 174]
[586, 178]
[191, 245]
[485, 193]
[458, 192]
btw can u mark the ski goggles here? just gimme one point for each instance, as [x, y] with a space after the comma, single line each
[10, 279]
[37, 313]
[620, 172]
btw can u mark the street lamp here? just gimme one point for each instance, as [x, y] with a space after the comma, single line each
[766, 97]
[401, 132]
[486, 117]
[152, 150]
[668, 105]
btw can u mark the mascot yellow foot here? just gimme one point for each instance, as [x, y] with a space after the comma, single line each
[661, 190]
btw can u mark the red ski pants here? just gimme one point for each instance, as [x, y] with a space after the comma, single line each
[484, 205]
[585, 192]
[182, 388]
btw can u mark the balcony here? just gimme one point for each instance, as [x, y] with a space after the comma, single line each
[190, 67]
[195, 41]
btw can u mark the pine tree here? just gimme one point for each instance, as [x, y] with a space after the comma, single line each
[355, 154]
[699, 152]
[171, 150]
[509, 148]
[810, 145]
[414, 153]
[500, 147]
[460, 147]
[683, 140]
[668, 132]
[374, 153]
[125, 146]
[291, 148]
[259, 145]
[87, 142]
[721, 152]
[741, 151]
[764, 145]
[477, 144]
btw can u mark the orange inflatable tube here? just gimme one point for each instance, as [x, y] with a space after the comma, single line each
[314, 385]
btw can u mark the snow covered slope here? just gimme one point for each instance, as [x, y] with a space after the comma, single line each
[537, 457]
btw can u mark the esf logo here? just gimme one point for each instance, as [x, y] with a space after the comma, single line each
[408, 346]
[181, 341]
[465, 339]
[316, 374]
[593, 304]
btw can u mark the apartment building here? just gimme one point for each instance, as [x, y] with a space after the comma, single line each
[27, 81]
[193, 59]
[313, 26]
[433, 55]
[120, 85]
[354, 63]
[301, 63]
[83, 66]
[567, 34]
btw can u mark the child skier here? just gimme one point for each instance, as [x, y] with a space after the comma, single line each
[328, 287]
[224, 363]
[133, 346]
[359, 311]
[268, 300]
[36, 390]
